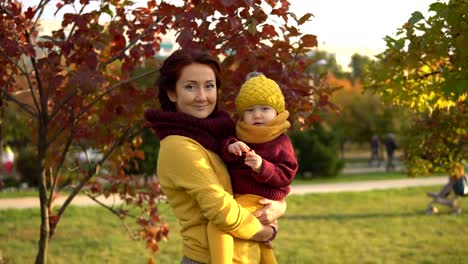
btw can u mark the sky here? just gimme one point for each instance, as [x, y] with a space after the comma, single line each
[345, 27]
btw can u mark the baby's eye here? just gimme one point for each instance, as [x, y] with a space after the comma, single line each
[249, 109]
[265, 108]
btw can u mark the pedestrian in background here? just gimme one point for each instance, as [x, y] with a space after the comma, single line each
[390, 146]
[375, 151]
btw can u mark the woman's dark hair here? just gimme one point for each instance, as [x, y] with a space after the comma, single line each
[171, 70]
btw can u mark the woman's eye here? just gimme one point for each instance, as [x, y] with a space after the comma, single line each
[211, 85]
[189, 87]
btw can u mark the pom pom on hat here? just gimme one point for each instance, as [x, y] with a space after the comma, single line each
[259, 90]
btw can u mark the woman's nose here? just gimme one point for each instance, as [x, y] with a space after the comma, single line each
[201, 95]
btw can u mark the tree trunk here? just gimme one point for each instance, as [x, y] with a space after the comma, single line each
[2, 114]
[41, 257]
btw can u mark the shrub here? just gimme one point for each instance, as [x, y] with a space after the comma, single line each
[317, 152]
[27, 166]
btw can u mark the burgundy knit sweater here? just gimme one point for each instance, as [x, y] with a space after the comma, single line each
[278, 169]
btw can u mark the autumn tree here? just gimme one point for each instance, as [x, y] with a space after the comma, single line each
[83, 90]
[425, 69]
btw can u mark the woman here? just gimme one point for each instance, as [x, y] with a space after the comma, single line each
[192, 175]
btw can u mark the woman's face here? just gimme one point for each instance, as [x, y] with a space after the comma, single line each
[195, 92]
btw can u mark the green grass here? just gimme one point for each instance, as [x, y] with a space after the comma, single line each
[387, 226]
[15, 193]
[353, 178]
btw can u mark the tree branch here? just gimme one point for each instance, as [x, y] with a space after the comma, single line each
[429, 74]
[74, 24]
[59, 106]
[26, 74]
[40, 7]
[111, 88]
[31, 90]
[55, 175]
[42, 110]
[118, 214]
[92, 172]
[23, 106]
[132, 43]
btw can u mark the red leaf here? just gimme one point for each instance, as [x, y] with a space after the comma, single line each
[151, 4]
[185, 38]
[323, 100]
[30, 13]
[91, 60]
[309, 41]
[304, 18]
[269, 30]
[148, 50]
[118, 42]
[227, 3]
[67, 19]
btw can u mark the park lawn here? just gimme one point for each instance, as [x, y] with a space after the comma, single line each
[385, 226]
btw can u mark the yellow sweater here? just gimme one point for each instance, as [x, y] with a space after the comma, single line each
[197, 185]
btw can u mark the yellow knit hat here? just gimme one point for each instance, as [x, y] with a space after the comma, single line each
[259, 90]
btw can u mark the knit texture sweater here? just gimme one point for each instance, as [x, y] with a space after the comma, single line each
[279, 163]
[196, 181]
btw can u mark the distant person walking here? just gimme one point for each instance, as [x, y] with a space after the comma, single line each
[375, 151]
[390, 146]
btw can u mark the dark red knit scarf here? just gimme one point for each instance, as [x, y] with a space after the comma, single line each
[209, 132]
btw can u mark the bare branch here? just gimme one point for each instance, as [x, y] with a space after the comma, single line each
[60, 163]
[41, 7]
[23, 106]
[31, 88]
[93, 171]
[429, 74]
[25, 74]
[118, 214]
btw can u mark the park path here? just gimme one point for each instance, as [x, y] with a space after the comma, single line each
[82, 200]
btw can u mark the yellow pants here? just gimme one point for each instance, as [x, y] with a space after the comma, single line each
[224, 249]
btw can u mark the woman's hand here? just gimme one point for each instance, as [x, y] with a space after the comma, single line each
[266, 235]
[271, 211]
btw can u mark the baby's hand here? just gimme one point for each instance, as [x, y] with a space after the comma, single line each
[237, 148]
[253, 160]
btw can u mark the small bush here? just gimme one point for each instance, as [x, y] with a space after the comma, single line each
[27, 166]
[317, 152]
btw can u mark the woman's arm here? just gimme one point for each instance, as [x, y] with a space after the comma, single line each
[267, 234]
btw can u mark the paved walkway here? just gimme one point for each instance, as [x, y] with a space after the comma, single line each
[82, 200]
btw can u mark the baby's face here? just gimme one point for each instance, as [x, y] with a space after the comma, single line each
[259, 115]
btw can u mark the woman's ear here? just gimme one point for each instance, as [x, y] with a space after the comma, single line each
[172, 95]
